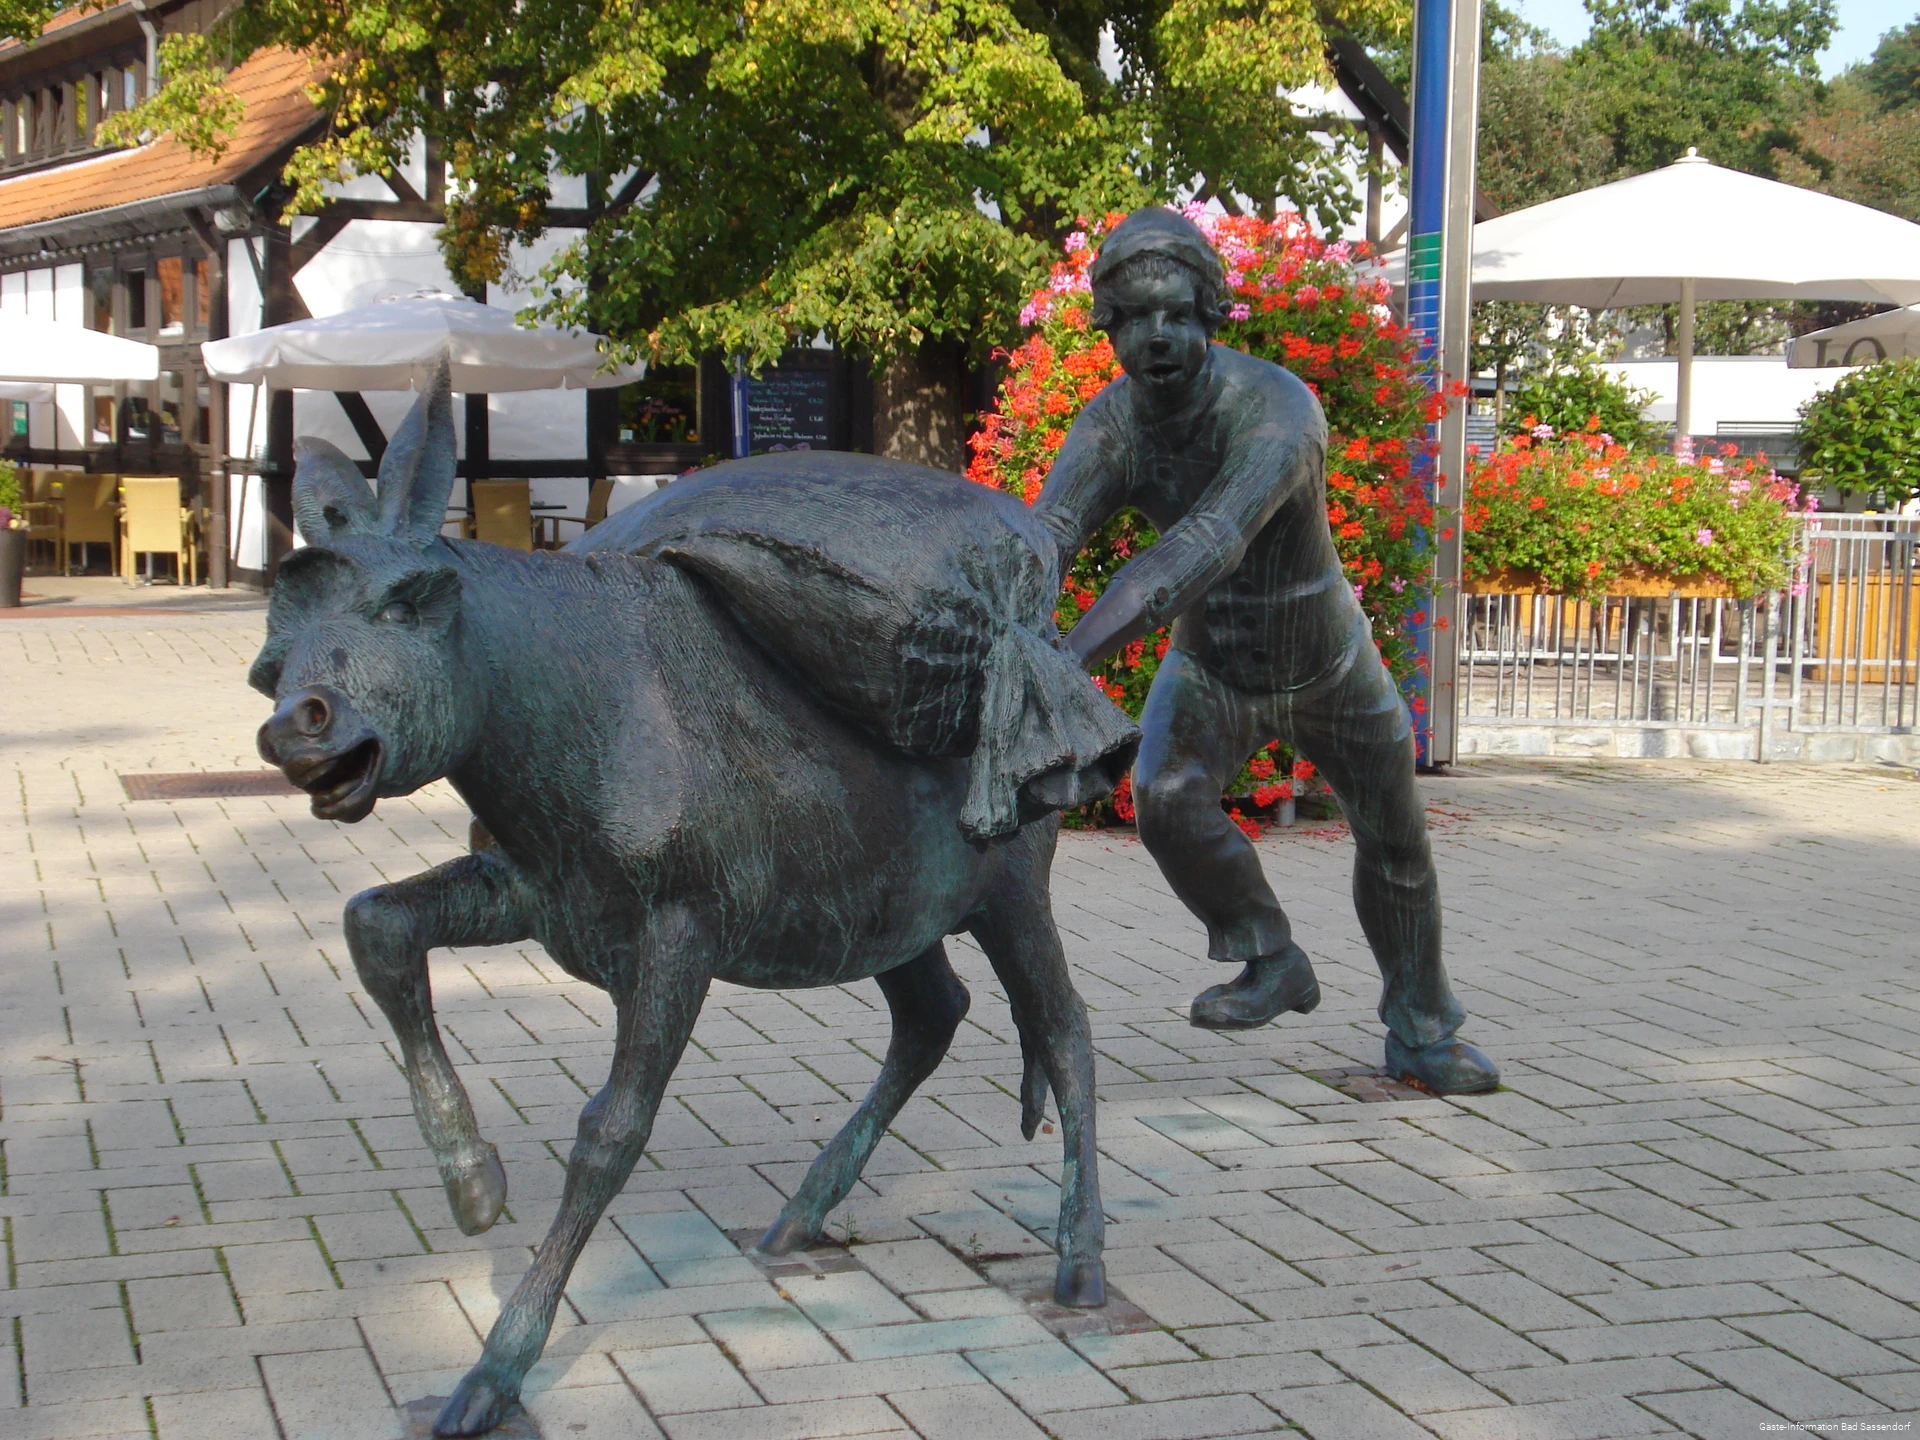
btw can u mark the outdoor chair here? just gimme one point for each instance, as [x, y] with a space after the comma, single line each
[503, 513]
[87, 516]
[45, 527]
[598, 497]
[154, 522]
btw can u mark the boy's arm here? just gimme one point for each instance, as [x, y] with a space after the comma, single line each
[1204, 546]
[1088, 481]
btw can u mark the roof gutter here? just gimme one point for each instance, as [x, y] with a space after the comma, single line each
[152, 32]
[74, 233]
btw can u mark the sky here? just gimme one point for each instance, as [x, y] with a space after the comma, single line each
[1862, 23]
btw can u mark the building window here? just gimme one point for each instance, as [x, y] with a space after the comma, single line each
[103, 403]
[100, 301]
[136, 299]
[173, 307]
[19, 417]
[202, 295]
[172, 402]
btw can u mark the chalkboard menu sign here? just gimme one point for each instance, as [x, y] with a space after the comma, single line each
[788, 405]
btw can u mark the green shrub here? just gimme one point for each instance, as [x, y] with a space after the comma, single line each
[1569, 398]
[10, 496]
[1864, 433]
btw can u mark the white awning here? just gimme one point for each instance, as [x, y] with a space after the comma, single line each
[394, 344]
[43, 352]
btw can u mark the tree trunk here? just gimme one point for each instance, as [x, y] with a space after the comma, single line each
[919, 407]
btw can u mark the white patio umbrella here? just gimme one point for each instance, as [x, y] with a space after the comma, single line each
[393, 344]
[43, 353]
[1893, 335]
[1695, 231]
[25, 390]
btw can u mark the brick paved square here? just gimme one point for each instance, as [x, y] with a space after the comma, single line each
[1693, 1210]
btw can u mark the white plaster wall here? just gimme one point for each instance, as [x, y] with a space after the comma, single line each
[246, 416]
[69, 407]
[537, 424]
[1730, 387]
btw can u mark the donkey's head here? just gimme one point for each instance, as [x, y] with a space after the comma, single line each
[363, 652]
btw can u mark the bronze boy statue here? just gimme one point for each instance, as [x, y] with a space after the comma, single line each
[1226, 454]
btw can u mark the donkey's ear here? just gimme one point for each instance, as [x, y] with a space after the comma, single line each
[331, 497]
[416, 474]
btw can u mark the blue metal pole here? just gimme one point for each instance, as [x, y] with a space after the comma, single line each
[1427, 208]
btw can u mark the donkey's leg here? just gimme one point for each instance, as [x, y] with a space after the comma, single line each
[654, 1018]
[475, 900]
[928, 1003]
[1016, 930]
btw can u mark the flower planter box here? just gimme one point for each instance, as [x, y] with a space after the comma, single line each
[1629, 584]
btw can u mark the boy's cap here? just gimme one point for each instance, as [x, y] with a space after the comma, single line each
[1156, 228]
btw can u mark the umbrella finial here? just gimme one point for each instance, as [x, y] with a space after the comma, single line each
[1693, 154]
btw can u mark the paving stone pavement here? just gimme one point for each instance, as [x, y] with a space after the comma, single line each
[1692, 1211]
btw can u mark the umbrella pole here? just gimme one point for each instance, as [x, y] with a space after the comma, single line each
[1683, 389]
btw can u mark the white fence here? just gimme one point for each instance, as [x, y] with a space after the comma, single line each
[1829, 668]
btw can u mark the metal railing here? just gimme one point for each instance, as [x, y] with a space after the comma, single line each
[1839, 650]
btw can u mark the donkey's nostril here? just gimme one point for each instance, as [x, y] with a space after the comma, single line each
[311, 715]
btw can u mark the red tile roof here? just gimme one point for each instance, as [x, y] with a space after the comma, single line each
[271, 86]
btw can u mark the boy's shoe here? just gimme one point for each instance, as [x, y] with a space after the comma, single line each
[1268, 986]
[1446, 1067]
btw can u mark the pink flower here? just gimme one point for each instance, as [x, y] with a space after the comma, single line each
[1340, 252]
[1307, 295]
[1036, 310]
[1076, 241]
[1703, 536]
[1543, 432]
[1240, 312]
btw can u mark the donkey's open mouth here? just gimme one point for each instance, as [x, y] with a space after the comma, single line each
[342, 786]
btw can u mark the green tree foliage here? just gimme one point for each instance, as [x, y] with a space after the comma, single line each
[1892, 74]
[1663, 75]
[1864, 434]
[1862, 135]
[888, 174]
[1575, 396]
[1539, 135]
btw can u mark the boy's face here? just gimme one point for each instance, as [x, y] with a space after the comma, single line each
[1157, 333]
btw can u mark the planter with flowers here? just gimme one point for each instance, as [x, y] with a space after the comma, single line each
[1578, 515]
[1304, 304]
[13, 537]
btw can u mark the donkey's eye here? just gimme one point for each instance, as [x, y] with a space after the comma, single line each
[399, 612]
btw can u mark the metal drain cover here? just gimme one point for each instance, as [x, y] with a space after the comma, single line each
[207, 785]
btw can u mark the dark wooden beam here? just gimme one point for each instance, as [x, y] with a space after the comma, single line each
[402, 187]
[630, 192]
[208, 237]
[360, 415]
[319, 235]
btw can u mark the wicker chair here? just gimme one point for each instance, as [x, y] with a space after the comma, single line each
[154, 522]
[598, 497]
[503, 513]
[88, 514]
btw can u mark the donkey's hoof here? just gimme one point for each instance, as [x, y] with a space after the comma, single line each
[476, 1407]
[476, 1196]
[786, 1235]
[1081, 1284]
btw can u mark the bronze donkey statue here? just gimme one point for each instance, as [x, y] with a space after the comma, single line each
[678, 789]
